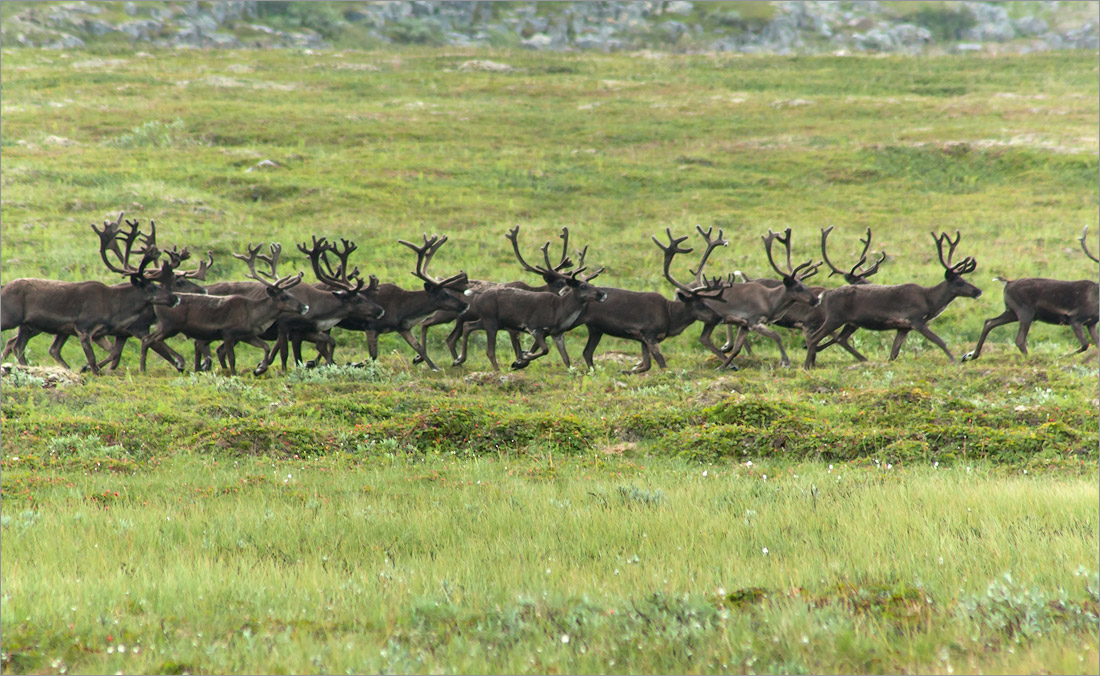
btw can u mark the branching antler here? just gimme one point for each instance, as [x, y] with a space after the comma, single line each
[108, 241]
[710, 289]
[1084, 233]
[424, 258]
[785, 239]
[855, 275]
[964, 266]
[340, 279]
[712, 244]
[273, 260]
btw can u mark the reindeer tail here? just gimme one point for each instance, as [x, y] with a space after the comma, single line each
[1002, 280]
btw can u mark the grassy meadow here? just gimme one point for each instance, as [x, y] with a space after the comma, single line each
[887, 517]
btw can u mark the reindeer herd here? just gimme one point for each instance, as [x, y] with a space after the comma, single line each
[159, 300]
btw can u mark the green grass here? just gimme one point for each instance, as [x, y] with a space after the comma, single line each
[332, 520]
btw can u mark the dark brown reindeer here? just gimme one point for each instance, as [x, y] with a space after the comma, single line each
[404, 308]
[753, 305]
[901, 307]
[231, 319]
[805, 318]
[649, 317]
[337, 296]
[183, 283]
[341, 295]
[88, 310]
[477, 287]
[1051, 301]
[540, 313]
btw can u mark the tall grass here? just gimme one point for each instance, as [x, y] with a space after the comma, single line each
[387, 564]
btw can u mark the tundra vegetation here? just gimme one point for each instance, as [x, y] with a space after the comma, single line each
[914, 515]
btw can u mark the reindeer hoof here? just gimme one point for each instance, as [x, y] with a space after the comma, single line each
[417, 359]
[260, 369]
[969, 356]
[727, 347]
[311, 364]
[519, 364]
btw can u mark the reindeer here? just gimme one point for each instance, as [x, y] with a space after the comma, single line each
[339, 295]
[649, 317]
[552, 284]
[89, 309]
[404, 309]
[1051, 301]
[346, 288]
[753, 305]
[539, 313]
[141, 326]
[230, 319]
[901, 307]
[805, 318]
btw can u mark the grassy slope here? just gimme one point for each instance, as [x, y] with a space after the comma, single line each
[376, 515]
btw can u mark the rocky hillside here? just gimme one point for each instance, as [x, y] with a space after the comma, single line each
[679, 25]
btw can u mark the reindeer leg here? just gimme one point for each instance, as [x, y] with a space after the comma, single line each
[1092, 332]
[559, 342]
[452, 340]
[490, 342]
[55, 348]
[899, 338]
[645, 364]
[269, 354]
[227, 355]
[372, 344]
[542, 350]
[594, 337]
[1005, 318]
[1026, 318]
[811, 343]
[842, 340]
[729, 339]
[10, 345]
[705, 339]
[765, 331]
[89, 352]
[467, 329]
[927, 333]
[513, 336]
[1079, 331]
[411, 340]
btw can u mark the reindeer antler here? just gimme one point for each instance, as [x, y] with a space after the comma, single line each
[273, 260]
[340, 279]
[712, 244]
[964, 266]
[855, 275]
[710, 289]
[785, 239]
[1084, 233]
[424, 258]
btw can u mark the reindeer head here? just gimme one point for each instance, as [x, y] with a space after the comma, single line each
[953, 272]
[554, 275]
[344, 285]
[793, 277]
[276, 290]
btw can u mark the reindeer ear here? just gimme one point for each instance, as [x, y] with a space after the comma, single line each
[273, 291]
[428, 286]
